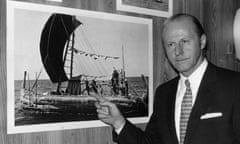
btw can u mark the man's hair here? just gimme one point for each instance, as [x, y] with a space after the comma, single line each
[181, 16]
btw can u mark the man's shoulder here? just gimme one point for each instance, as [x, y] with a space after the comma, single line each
[224, 75]
[224, 72]
[168, 84]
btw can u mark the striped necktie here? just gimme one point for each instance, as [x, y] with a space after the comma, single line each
[186, 107]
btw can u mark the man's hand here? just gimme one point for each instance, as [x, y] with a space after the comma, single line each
[108, 112]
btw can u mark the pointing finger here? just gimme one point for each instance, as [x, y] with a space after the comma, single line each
[97, 97]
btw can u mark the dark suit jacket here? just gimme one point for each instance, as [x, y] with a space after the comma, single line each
[219, 92]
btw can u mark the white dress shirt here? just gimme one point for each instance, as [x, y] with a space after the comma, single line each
[195, 79]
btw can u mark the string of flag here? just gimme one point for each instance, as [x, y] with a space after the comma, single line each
[92, 55]
[91, 76]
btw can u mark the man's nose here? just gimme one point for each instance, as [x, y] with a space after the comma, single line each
[179, 49]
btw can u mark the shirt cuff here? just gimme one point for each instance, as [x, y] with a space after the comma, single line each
[118, 130]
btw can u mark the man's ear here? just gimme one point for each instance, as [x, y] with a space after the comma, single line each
[203, 41]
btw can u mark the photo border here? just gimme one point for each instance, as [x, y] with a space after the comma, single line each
[11, 6]
[128, 8]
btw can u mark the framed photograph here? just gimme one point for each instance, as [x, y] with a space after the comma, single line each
[160, 8]
[57, 57]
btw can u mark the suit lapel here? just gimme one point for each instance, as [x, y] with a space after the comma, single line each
[204, 97]
[172, 94]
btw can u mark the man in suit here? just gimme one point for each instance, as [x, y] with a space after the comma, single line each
[200, 106]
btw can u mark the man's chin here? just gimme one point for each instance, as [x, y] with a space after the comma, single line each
[182, 69]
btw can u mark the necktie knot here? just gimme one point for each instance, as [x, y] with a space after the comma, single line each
[187, 83]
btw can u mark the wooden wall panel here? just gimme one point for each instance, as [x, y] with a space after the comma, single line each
[3, 87]
[158, 55]
[218, 21]
[217, 18]
[193, 7]
[210, 23]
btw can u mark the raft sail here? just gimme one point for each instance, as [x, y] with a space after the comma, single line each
[55, 36]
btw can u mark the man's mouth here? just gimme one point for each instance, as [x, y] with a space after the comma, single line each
[181, 60]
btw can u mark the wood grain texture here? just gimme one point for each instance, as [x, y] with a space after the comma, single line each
[210, 21]
[194, 7]
[3, 85]
[216, 16]
[218, 23]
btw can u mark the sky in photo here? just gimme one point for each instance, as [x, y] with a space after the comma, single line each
[103, 36]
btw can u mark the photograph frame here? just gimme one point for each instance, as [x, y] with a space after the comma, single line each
[11, 7]
[146, 11]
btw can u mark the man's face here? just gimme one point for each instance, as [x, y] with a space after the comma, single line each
[183, 46]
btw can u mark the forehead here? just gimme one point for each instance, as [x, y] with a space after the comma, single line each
[179, 28]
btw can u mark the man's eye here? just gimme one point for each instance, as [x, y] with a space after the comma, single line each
[170, 45]
[185, 41]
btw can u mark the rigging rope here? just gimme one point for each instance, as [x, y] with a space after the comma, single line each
[98, 64]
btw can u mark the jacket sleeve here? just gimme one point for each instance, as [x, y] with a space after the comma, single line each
[131, 134]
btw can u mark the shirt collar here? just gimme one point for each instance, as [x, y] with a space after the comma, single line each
[196, 77]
